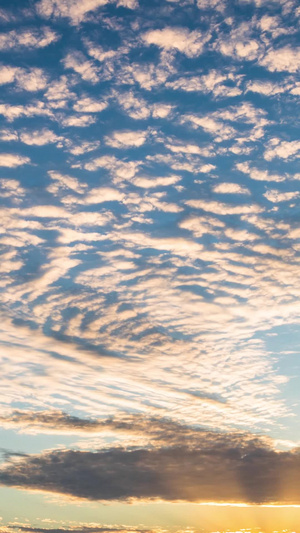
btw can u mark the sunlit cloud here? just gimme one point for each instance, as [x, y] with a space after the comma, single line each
[149, 287]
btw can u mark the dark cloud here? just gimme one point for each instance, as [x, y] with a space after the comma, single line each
[51, 420]
[83, 529]
[231, 468]
[154, 429]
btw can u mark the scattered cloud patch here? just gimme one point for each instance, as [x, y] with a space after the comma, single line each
[190, 43]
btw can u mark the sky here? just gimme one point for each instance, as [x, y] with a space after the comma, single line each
[150, 281]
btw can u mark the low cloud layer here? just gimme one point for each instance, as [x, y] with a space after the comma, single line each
[217, 468]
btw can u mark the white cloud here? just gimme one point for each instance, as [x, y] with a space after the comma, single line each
[85, 68]
[150, 75]
[267, 88]
[63, 181]
[103, 194]
[258, 175]
[119, 170]
[12, 112]
[39, 137]
[162, 110]
[78, 121]
[205, 169]
[98, 52]
[230, 188]
[282, 59]
[127, 138]
[83, 148]
[46, 211]
[282, 149]
[8, 135]
[76, 10]
[240, 43]
[218, 129]
[276, 196]
[240, 235]
[214, 82]
[130, 4]
[201, 225]
[224, 209]
[58, 92]
[135, 107]
[219, 5]
[7, 74]
[31, 38]
[148, 183]
[89, 105]
[32, 80]
[13, 160]
[190, 43]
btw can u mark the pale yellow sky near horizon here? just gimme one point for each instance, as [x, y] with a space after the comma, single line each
[53, 510]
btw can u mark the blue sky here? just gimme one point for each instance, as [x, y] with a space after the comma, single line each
[149, 176]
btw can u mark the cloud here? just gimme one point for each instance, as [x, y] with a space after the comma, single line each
[223, 209]
[217, 467]
[127, 138]
[7, 74]
[276, 196]
[13, 160]
[282, 59]
[83, 528]
[215, 82]
[135, 107]
[39, 137]
[32, 80]
[119, 169]
[86, 69]
[148, 183]
[36, 108]
[240, 235]
[147, 429]
[230, 188]
[78, 121]
[150, 75]
[211, 4]
[268, 88]
[65, 182]
[201, 225]
[58, 92]
[282, 149]
[190, 43]
[219, 130]
[89, 105]
[83, 148]
[31, 38]
[240, 43]
[76, 10]
[103, 194]
[258, 175]
[52, 421]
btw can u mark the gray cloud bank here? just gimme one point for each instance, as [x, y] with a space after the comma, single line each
[212, 467]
